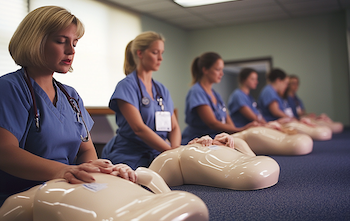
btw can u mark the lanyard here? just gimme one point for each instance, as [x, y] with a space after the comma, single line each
[219, 104]
[145, 100]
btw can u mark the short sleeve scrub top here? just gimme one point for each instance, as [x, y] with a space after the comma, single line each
[58, 136]
[237, 100]
[196, 127]
[126, 147]
[267, 96]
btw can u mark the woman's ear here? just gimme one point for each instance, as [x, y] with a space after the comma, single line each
[139, 54]
[204, 70]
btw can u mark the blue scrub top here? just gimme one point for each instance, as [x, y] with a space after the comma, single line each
[126, 147]
[59, 135]
[236, 101]
[267, 96]
[295, 103]
[196, 127]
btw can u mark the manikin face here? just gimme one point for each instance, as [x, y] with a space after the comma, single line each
[59, 49]
[252, 81]
[215, 72]
[152, 57]
[293, 85]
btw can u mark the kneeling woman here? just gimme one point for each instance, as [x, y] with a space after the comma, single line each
[241, 105]
[205, 110]
[270, 101]
[44, 134]
[143, 107]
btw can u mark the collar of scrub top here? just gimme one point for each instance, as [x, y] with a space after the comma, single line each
[219, 102]
[145, 100]
[72, 101]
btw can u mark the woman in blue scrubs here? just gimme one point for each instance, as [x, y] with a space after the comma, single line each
[241, 105]
[144, 109]
[205, 110]
[292, 98]
[44, 127]
[270, 102]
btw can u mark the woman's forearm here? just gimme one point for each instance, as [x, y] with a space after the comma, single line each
[175, 134]
[152, 139]
[25, 165]
[86, 152]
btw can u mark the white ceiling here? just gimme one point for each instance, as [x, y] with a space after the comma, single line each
[229, 13]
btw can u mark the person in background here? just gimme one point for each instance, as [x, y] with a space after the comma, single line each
[293, 100]
[205, 110]
[241, 105]
[270, 102]
[299, 110]
[143, 107]
[44, 127]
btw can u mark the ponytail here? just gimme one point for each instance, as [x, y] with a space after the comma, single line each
[129, 62]
[196, 72]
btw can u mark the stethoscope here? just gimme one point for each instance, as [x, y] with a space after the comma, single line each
[145, 100]
[72, 101]
[219, 104]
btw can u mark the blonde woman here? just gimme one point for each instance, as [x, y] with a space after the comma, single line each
[44, 127]
[143, 107]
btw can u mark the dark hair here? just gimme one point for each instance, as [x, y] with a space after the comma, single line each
[276, 74]
[244, 74]
[293, 76]
[206, 60]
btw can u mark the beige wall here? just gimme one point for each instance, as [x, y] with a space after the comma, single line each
[315, 48]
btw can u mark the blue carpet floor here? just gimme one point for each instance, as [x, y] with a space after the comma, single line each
[311, 187]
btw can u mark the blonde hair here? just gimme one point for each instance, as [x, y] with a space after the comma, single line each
[27, 43]
[140, 43]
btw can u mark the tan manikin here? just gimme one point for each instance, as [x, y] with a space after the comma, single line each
[267, 141]
[316, 132]
[324, 120]
[108, 198]
[235, 168]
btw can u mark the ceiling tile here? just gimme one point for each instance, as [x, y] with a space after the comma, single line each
[240, 20]
[154, 6]
[173, 13]
[238, 5]
[228, 13]
[252, 12]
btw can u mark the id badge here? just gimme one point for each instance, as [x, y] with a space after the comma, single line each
[223, 120]
[299, 110]
[288, 111]
[163, 121]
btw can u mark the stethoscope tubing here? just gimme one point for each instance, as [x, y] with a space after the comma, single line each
[145, 100]
[70, 100]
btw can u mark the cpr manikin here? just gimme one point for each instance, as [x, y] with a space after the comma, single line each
[208, 162]
[304, 126]
[324, 120]
[268, 141]
[108, 198]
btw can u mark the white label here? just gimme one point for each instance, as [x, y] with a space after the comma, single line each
[163, 121]
[95, 187]
[214, 147]
[288, 111]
